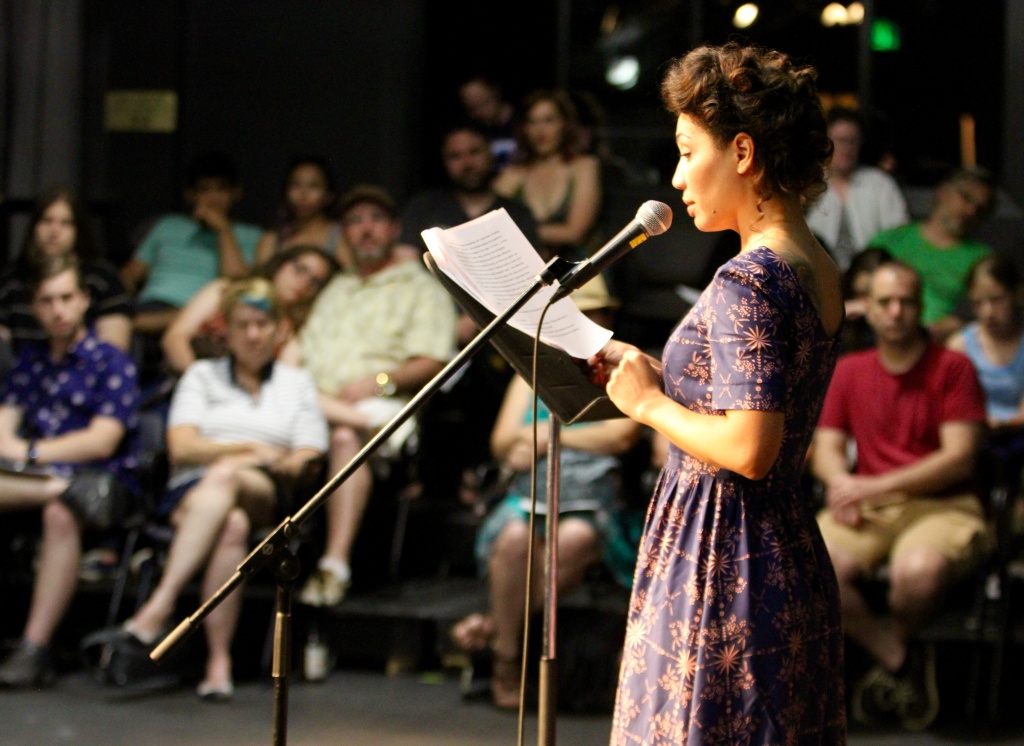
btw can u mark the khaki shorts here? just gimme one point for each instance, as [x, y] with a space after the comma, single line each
[953, 526]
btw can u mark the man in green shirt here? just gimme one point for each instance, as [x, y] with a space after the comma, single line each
[939, 247]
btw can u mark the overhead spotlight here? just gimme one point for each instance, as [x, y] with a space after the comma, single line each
[623, 72]
[745, 15]
[855, 14]
[834, 14]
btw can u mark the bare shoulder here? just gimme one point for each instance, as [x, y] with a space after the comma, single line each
[509, 180]
[957, 342]
[586, 162]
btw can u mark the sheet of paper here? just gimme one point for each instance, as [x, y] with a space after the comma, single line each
[491, 259]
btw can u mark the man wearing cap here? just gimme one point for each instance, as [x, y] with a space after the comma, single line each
[373, 339]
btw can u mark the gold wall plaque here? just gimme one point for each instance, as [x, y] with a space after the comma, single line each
[140, 111]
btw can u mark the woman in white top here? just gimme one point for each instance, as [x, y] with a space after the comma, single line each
[240, 427]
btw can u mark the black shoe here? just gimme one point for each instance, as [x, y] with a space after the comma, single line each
[28, 666]
[917, 693]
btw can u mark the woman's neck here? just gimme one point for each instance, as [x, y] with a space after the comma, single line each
[778, 219]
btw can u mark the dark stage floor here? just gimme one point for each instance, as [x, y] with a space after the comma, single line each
[351, 708]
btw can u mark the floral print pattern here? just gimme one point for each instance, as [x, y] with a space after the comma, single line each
[734, 633]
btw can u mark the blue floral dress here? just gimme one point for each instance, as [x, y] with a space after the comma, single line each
[734, 633]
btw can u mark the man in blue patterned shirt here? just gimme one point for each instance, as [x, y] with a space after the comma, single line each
[70, 406]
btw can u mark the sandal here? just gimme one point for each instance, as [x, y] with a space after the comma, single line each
[473, 633]
[506, 677]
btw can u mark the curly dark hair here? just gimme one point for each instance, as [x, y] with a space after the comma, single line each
[761, 92]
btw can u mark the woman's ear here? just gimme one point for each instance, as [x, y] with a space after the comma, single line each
[743, 145]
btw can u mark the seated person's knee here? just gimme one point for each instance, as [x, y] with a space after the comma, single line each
[59, 520]
[237, 528]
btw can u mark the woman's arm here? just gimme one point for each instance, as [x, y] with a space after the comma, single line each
[265, 247]
[584, 208]
[509, 181]
[177, 340]
[185, 446]
[744, 441]
[607, 437]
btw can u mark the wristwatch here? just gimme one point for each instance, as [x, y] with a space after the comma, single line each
[32, 453]
[385, 385]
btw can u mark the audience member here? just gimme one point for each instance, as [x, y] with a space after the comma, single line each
[857, 332]
[484, 102]
[240, 429]
[915, 412]
[588, 502]
[181, 253]
[297, 275]
[940, 247]
[374, 337]
[469, 171]
[463, 414]
[469, 168]
[995, 340]
[306, 213]
[69, 413]
[560, 185]
[60, 225]
[860, 200]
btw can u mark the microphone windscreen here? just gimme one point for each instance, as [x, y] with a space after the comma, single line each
[655, 217]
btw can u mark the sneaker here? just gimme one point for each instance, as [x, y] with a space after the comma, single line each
[323, 588]
[874, 698]
[917, 693]
[29, 665]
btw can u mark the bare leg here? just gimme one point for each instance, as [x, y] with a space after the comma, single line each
[199, 521]
[231, 548]
[346, 506]
[57, 576]
[918, 583]
[880, 637]
[27, 492]
[577, 552]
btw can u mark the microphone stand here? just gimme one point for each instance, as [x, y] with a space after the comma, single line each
[547, 696]
[274, 551]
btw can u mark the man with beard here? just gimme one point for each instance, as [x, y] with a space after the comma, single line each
[462, 416]
[940, 248]
[469, 169]
[915, 412]
[373, 338]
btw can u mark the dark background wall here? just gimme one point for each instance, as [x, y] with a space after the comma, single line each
[367, 82]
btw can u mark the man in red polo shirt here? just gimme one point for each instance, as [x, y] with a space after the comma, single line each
[915, 413]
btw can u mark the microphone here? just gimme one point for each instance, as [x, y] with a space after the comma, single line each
[652, 219]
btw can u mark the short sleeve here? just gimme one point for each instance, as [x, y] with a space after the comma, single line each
[18, 384]
[149, 248]
[311, 429]
[117, 390]
[964, 399]
[431, 330]
[747, 342]
[190, 400]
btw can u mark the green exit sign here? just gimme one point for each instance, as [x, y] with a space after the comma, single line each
[885, 35]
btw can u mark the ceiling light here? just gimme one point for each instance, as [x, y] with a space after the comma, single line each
[745, 15]
[834, 14]
[623, 73]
